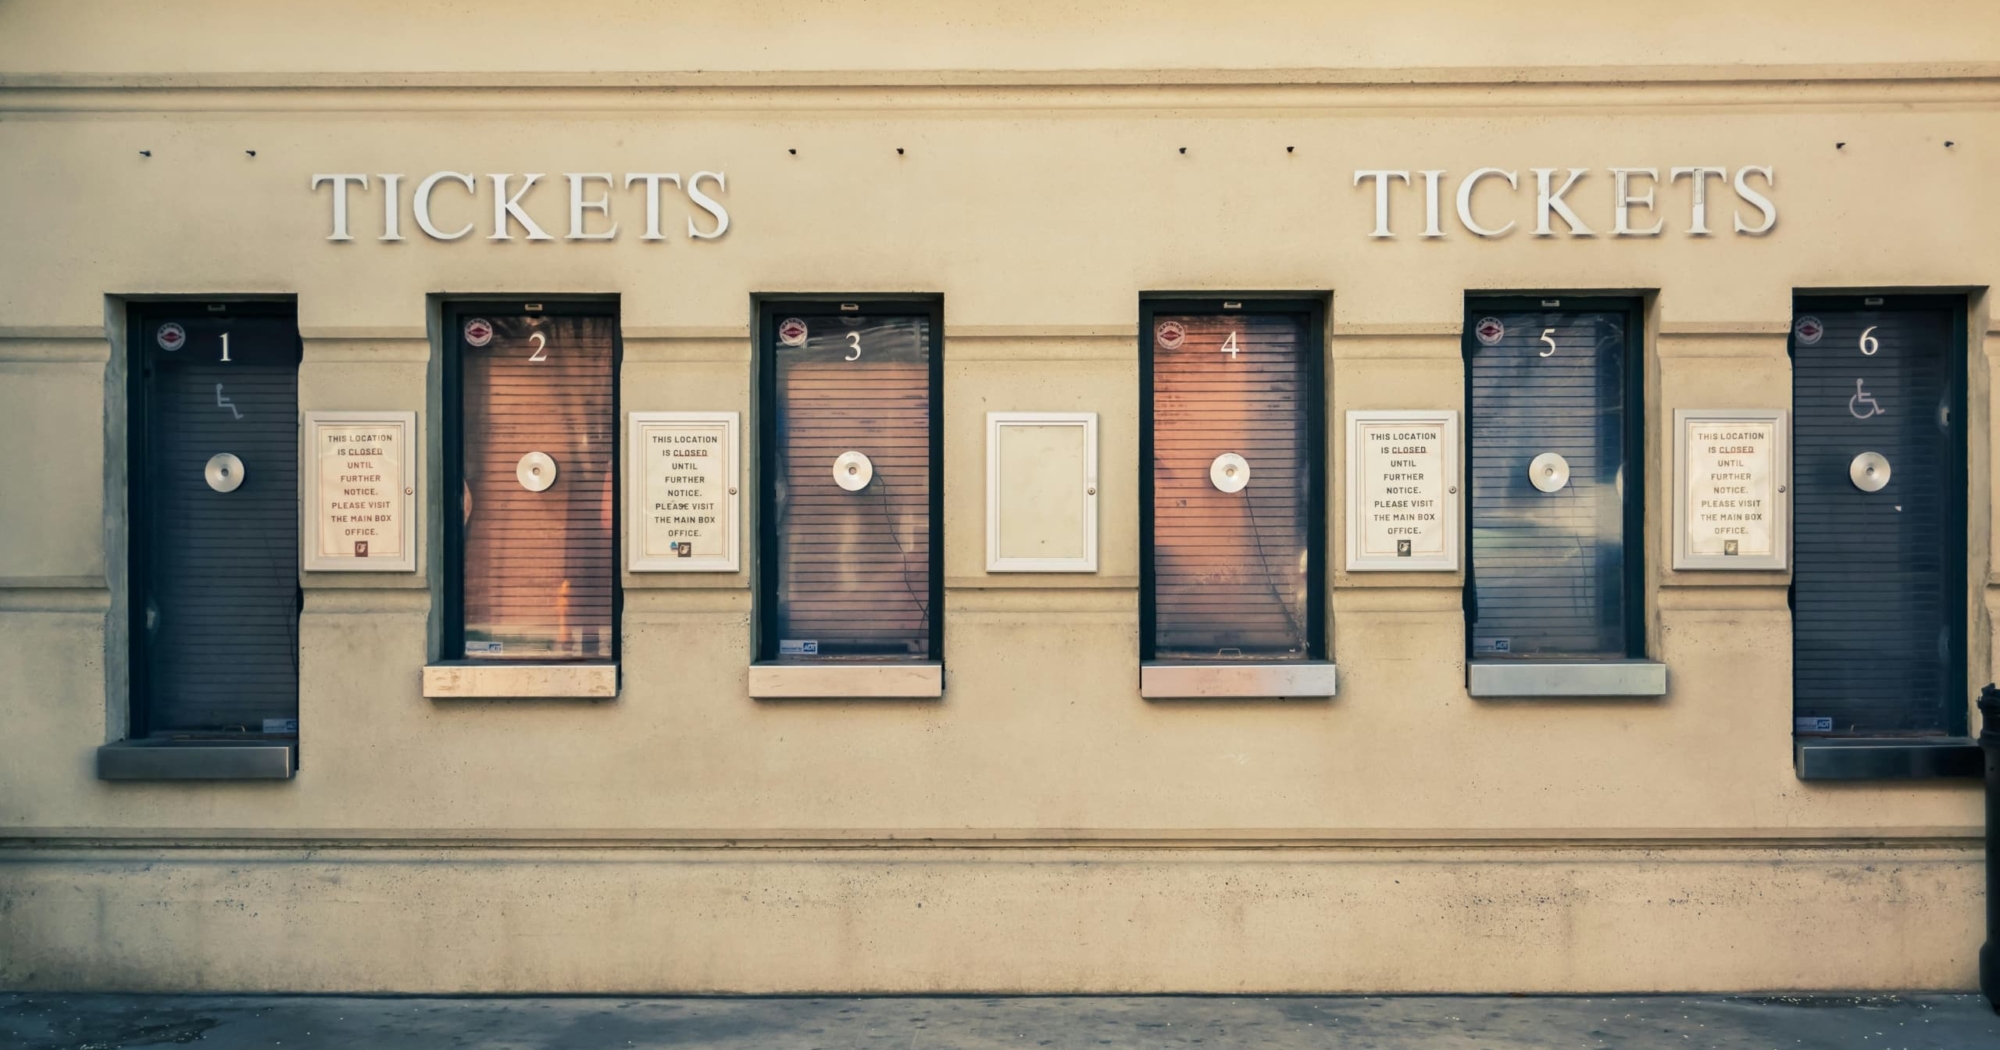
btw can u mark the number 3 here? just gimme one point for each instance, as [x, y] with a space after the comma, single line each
[1549, 339]
[541, 347]
[854, 343]
[1870, 344]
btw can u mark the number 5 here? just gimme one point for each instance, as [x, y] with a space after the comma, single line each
[541, 347]
[1549, 339]
[854, 343]
[1870, 344]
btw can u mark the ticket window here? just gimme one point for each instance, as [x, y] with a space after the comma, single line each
[531, 413]
[214, 537]
[1232, 428]
[851, 562]
[1879, 518]
[1555, 446]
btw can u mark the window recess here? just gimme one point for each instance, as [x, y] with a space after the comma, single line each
[1232, 426]
[1555, 589]
[1879, 542]
[531, 411]
[851, 574]
[212, 462]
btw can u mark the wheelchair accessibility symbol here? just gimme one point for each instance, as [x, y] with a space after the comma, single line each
[1862, 405]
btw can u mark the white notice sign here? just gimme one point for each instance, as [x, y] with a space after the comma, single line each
[1402, 491]
[1729, 510]
[360, 484]
[684, 478]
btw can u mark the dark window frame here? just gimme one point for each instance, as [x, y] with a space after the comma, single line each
[1957, 481]
[1633, 541]
[1312, 309]
[770, 310]
[451, 629]
[139, 319]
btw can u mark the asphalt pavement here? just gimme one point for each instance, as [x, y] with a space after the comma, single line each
[238, 1022]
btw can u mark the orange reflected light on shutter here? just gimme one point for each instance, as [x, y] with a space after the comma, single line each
[539, 566]
[1229, 568]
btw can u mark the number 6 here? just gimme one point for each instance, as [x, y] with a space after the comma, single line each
[1870, 344]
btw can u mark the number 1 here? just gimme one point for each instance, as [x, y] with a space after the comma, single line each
[1229, 346]
[225, 348]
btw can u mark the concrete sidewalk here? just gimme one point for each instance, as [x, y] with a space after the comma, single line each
[233, 1022]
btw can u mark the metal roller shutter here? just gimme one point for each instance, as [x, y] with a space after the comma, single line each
[1878, 621]
[853, 568]
[1230, 572]
[1550, 575]
[540, 569]
[217, 598]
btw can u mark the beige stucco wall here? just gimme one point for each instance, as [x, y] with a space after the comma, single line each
[1043, 187]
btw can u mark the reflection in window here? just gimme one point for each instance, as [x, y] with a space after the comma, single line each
[851, 494]
[1230, 564]
[537, 542]
[1549, 570]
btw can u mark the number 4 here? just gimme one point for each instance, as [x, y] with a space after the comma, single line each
[1229, 346]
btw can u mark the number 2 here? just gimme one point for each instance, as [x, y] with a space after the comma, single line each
[225, 348]
[853, 343]
[541, 347]
[1229, 346]
[1549, 339]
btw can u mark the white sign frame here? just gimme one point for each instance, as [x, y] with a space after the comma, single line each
[1088, 422]
[1780, 498]
[1450, 502]
[310, 560]
[636, 558]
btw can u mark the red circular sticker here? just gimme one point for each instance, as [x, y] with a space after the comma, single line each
[1489, 331]
[1809, 330]
[792, 331]
[171, 336]
[478, 332]
[1170, 334]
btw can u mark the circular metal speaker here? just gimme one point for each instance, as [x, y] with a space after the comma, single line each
[536, 472]
[1548, 472]
[224, 472]
[1230, 472]
[852, 471]
[1869, 472]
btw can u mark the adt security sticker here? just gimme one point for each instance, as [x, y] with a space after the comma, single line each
[795, 647]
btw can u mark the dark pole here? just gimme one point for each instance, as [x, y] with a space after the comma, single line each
[1989, 742]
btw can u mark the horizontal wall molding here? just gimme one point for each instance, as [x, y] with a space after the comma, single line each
[1540, 841]
[1719, 73]
[1589, 89]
